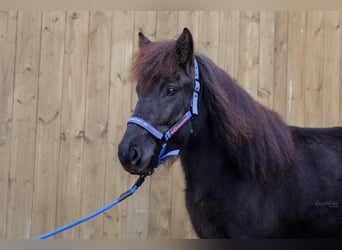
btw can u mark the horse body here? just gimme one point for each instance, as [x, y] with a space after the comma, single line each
[247, 173]
[304, 203]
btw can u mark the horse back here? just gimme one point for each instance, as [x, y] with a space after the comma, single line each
[317, 177]
[319, 151]
[319, 144]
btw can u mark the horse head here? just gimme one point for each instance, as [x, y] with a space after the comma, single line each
[164, 72]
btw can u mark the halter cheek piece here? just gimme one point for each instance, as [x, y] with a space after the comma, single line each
[193, 110]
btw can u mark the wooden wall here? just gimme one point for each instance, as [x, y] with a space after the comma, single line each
[65, 97]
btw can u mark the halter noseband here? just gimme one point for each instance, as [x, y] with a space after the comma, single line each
[193, 110]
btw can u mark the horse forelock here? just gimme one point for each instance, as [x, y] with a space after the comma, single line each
[155, 61]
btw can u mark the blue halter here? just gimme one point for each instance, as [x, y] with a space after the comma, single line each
[170, 132]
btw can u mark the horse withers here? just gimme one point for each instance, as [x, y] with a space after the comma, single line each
[247, 173]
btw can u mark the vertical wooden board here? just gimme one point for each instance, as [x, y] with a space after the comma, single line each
[8, 28]
[96, 126]
[160, 200]
[72, 121]
[314, 69]
[208, 36]
[48, 123]
[332, 67]
[181, 227]
[295, 67]
[280, 63]
[266, 59]
[115, 220]
[21, 179]
[146, 22]
[228, 46]
[249, 51]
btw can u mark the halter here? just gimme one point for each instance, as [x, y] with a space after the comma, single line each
[164, 137]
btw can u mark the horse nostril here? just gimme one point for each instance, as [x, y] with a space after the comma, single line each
[134, 156]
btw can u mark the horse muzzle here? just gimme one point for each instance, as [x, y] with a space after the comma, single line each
[137, 153]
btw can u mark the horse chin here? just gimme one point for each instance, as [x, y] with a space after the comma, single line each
[145, 168]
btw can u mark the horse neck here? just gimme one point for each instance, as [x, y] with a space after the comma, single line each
[233, 129]
[203, 156]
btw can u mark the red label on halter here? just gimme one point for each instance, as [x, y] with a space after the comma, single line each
[185, 118]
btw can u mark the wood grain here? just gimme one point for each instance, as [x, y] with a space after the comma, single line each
[96, 122]
[280, 95]
[332, 65]
[48, 123]
[23, 140]
[8, 25]
[208, 34]
[229, 42]
[249, 51]
[72, 129]
[266, 59]
[295, 68]
[313, 76]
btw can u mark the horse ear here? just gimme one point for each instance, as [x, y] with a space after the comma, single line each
[185, 48]
[143, 40]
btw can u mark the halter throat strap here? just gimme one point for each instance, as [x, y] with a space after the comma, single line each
[164, 137]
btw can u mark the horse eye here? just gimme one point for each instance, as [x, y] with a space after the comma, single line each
[171, 91]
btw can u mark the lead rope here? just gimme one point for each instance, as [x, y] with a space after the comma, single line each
[122, 197]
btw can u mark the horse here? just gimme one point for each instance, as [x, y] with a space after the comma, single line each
[247, 173]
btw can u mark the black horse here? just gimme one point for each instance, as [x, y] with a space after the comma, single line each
[248, 174]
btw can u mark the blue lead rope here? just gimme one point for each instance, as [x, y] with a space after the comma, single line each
[123, 196]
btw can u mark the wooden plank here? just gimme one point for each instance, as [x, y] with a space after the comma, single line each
[332, 67]
[48, 126]
[266, 59]
[8, 28]
[314, 69]
[249, 51]
[23, 139]
[72, 121]
[96, 126]
[228, 47]
[160, 201]
[208, 36]
[181, 226]
[295, 67]
[280, 63]
[117, 180]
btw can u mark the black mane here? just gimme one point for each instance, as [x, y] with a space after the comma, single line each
[255, 135]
